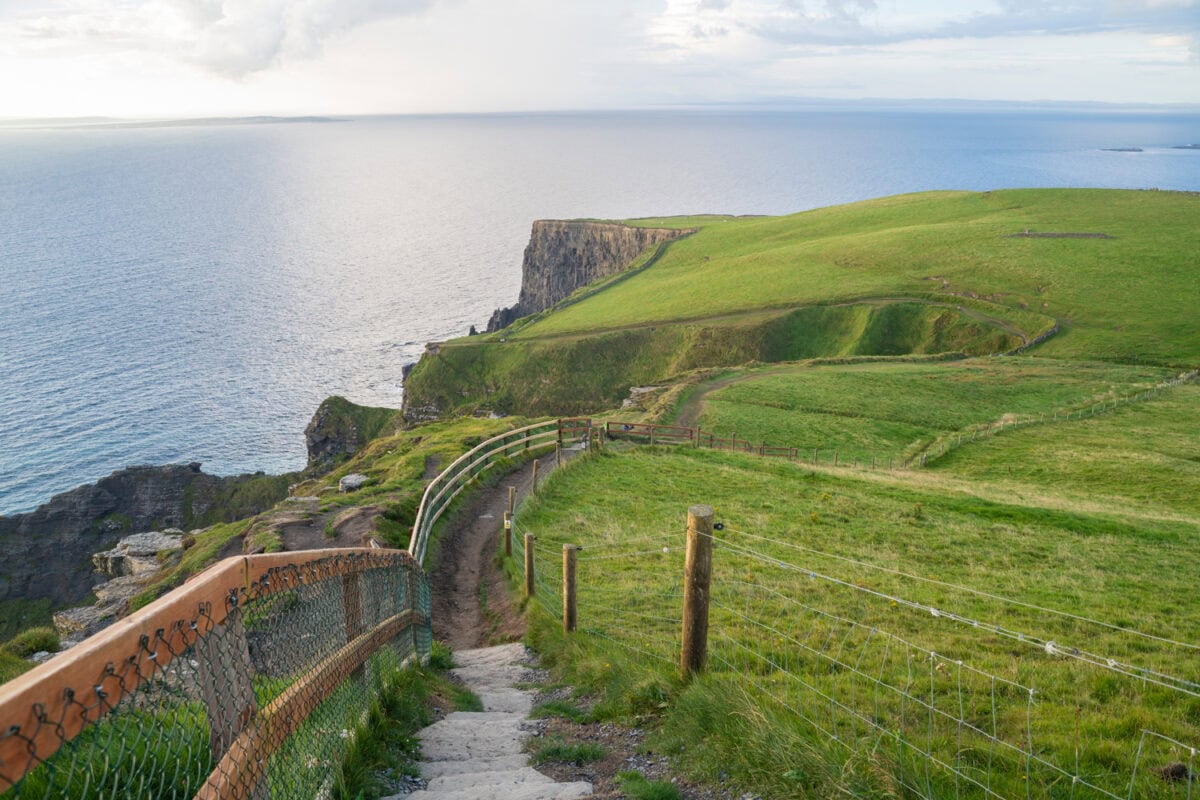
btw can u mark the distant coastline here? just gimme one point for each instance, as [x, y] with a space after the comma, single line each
[111, 123]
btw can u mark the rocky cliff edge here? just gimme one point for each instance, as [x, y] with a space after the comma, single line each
[563, 255]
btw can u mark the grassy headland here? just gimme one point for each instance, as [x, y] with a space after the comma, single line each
[927, 273]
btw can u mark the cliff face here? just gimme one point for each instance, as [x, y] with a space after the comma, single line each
[47, 553]
[339, 429]
[563, 256]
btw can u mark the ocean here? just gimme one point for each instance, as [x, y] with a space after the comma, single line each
[192, 293]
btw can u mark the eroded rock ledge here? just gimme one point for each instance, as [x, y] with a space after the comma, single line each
[563, 255]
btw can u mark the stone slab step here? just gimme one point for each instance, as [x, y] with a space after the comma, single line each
[436, 769]
[487, 779]
[473, 734]
[507, 700]
[539, 791]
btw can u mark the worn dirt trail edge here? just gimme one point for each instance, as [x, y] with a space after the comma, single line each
[478, 755]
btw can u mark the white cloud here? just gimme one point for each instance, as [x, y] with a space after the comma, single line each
[233, 38]
[863, 22]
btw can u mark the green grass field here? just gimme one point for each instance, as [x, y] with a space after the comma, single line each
[800, 662]
[946, 243]
[1144, 455]
[887, 410]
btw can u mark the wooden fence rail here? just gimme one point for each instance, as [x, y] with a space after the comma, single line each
[207, 625]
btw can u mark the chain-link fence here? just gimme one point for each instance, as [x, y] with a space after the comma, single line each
[247, 682]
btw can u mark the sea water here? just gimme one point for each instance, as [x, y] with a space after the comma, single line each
[192, 293]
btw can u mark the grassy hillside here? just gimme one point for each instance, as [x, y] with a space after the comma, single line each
[927, 273]
[1143, 455]
[582, 374]
[1013, 619]
[1124, 297]
[830, 591]
[893, 410]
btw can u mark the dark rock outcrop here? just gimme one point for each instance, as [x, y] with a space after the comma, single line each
[47, 553]
[340, 428]
[563, 255]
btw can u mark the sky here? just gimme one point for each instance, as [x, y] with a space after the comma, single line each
[178, 58]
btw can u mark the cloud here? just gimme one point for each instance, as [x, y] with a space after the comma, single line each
[862, 23]
[233, 38]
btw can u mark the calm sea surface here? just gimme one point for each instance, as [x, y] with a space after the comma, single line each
[192, 293]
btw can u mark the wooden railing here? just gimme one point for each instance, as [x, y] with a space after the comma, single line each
[192, 647]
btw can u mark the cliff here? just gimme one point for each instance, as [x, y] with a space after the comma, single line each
[563, 255]
[47, 553]
[339, 429]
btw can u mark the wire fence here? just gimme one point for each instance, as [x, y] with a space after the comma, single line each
[247, 682]
[974, 695]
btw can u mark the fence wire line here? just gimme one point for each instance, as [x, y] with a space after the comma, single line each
[908, 694]
[967, 589]
[1049, 646]
[929, 719]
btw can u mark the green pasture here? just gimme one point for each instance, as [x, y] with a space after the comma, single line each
[822, 627]
[887, 410]
[1126, 297]
[1144, 455]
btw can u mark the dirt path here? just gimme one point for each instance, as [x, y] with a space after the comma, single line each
[471, 602]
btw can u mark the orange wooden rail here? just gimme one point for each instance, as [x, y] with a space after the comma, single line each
[86, 682]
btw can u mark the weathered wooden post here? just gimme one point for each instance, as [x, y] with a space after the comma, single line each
[224, 671]
[696, 580]
[558, 454]
[529, 576]
[815, 452]
[352, 611]
[535, 474]
[652, 429]
[569, 588]
[508, 526]
[835, 458]
[512, 499]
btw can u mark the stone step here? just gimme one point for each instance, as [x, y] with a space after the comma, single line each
[478, 755]
[437, 769]
[487, 778]
[508, 700]
[538, 791]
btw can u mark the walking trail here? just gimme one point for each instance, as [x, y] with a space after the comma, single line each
[480, 755]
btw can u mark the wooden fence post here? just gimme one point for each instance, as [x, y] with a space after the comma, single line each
[224, 670]
[512, 498]
[815, 452]
[529, 576]
[835, 458]
[535, 474]
[569, 588]
[696, 579]
[508, 526]
[558, 454]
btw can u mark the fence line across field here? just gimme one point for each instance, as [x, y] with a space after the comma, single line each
[967, 589]
[952, 728]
